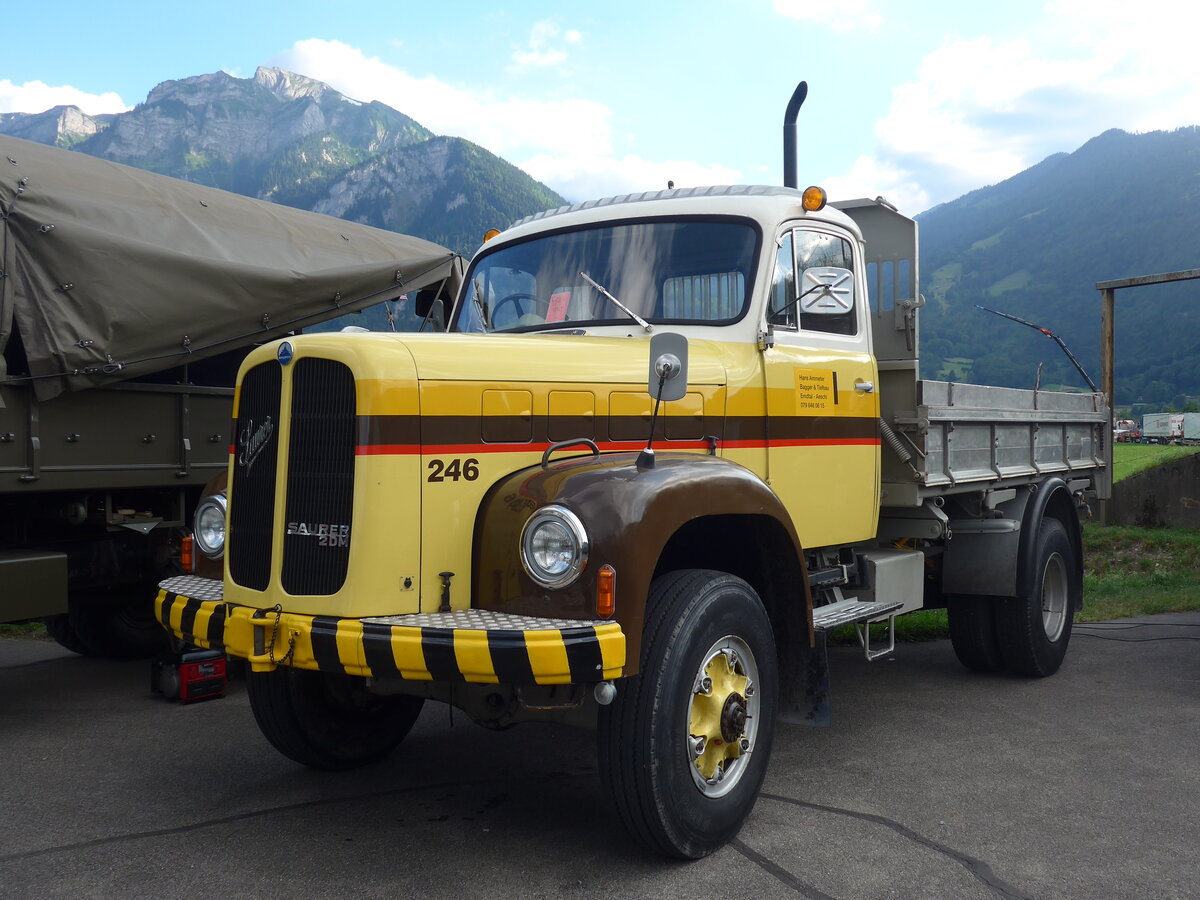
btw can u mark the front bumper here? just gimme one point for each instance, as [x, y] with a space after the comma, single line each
[472, 645]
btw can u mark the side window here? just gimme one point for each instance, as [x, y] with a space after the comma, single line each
[817, 250]
[782, 313]
[799, 252]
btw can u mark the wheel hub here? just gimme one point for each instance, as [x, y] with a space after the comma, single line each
[721, 719]
[733, 718]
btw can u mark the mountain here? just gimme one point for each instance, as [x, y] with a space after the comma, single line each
[294, 140]
[61, 126]
[1036, 245]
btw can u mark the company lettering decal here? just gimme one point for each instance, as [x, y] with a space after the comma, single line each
[252, 441]
[327, 534]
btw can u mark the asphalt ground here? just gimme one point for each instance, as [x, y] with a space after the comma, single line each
[931, 782]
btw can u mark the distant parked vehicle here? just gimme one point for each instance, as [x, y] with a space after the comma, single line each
[1163, 428]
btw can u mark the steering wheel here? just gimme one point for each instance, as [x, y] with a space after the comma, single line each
[515, 299]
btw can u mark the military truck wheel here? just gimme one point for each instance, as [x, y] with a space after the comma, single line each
[1034, 631]
[117, 622]
[59, 628]
[328, 721]
[684, 746]
[973, 633]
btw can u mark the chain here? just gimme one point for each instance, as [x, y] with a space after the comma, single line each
[278, 610]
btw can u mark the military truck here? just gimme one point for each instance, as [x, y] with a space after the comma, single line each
[127, 302]
[670, 441]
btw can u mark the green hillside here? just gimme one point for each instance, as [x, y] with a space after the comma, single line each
[1035, 246]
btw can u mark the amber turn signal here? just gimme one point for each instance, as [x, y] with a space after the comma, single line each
[606, 591]
[186, 557]
[814, 198]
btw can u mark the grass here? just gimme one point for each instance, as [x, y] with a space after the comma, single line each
[1139, 571]
[1129, 459]
[29, 631]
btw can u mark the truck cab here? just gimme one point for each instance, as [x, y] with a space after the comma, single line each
[668, 442]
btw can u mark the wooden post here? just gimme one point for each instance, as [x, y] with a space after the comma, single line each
[1107, 384]
[1107, 349]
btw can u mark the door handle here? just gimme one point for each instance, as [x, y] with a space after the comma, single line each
[864, 387]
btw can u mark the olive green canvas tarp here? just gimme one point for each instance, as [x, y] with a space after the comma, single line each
[110, 272]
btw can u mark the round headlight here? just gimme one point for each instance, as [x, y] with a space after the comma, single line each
[554, 547]
[208, 526]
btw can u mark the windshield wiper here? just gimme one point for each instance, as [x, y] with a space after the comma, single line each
[621, 306]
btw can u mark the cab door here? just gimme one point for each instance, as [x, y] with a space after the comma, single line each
[821, 376]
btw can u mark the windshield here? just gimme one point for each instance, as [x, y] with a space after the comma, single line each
[677, 271]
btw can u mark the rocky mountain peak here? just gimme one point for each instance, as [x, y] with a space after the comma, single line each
[291, 86]
[289, 138]
[60, 126]
[198, 90]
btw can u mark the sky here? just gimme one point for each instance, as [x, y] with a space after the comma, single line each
[917, 102]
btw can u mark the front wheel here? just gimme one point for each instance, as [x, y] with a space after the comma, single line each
[1033, 632]
[328, 721]
[684, 746]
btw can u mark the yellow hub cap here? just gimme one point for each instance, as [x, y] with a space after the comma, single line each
[721, 720]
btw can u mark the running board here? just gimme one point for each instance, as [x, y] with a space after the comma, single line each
[860, 614]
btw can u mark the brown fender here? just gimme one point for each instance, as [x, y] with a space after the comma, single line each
[631, 515]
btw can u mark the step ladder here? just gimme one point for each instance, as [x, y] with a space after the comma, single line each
[861, 614]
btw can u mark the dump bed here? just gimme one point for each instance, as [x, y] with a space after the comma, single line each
[967, 437]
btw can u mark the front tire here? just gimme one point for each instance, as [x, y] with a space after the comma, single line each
[328, 721]
[684, 747]
[1034, 631]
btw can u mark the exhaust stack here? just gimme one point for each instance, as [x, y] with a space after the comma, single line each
[790, 175]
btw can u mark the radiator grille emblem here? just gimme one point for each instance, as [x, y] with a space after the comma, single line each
[252, 441]
[285, 353]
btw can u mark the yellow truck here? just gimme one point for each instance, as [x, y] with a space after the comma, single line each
[666, 442]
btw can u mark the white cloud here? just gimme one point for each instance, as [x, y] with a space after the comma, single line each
[583, 176]
[872, 177]
[566, 143]
[506, 126]
[841, 16]
[36, 97]
[539, 53]
[981, 110]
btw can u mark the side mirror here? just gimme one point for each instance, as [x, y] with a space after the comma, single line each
[428, 305]
[668, 366]
[827, 291]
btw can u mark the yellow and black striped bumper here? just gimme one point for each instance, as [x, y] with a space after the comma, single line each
[465, 645]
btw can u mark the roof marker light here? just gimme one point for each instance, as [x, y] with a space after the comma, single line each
[814, 198]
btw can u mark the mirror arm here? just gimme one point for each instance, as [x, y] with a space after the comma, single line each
[797, 299]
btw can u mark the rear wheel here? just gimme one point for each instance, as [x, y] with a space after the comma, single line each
[1033, 632]
[684, 747]
[326, 720]
[973, 633]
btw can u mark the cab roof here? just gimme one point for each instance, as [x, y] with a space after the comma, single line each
[768, 204]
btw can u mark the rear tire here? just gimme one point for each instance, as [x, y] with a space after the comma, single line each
[1033, 632]
[328, 721]
[684, 746]
[973, 633]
